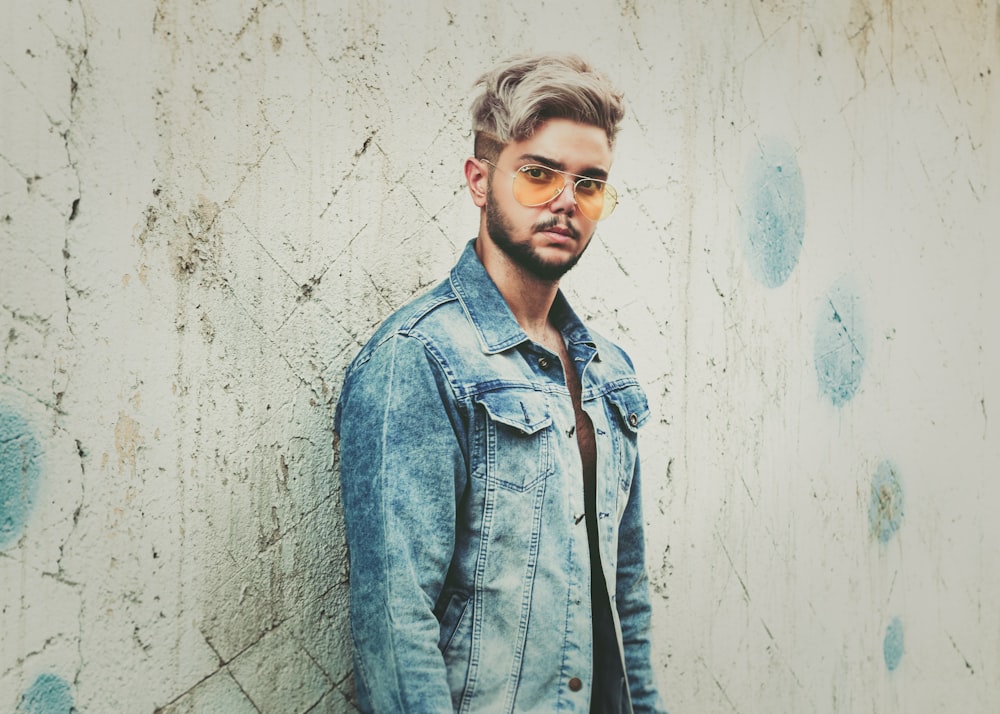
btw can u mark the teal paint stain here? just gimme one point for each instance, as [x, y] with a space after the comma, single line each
[50, 694]
[840, 345]
[885, 508]
[20, 469]
[775, 213]
[892, 645]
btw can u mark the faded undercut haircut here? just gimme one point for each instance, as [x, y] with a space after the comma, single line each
[519, 94]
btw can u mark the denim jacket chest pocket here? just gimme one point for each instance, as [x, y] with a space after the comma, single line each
[628, 410]
[515, 429]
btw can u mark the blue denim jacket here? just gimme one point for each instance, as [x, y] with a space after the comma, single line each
[463, 497]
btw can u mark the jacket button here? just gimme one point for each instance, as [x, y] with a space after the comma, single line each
[633, 419]
[543, 362]
[575, 685]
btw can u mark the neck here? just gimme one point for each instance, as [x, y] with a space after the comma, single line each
[528, 297]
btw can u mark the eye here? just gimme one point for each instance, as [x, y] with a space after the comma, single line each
[589, 187]
[538, 174]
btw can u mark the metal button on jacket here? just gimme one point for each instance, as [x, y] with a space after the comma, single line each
[543, 362]
[633, 419]
[575, 685]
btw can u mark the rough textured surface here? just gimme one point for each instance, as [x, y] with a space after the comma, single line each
[206, 207]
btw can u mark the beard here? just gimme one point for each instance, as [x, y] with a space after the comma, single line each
[524, 255]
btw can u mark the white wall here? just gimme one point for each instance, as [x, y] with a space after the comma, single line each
[206, 207]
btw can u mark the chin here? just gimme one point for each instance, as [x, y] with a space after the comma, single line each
[540, 257]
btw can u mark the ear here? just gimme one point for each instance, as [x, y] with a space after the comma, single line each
[477, 178]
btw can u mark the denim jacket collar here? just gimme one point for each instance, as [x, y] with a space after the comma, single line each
[491, 316]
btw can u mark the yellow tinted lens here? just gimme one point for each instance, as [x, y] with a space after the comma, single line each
[535, 185]
[590, 198]
[595, 198]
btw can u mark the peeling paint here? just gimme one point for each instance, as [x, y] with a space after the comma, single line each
[127, 440]
[193, 245]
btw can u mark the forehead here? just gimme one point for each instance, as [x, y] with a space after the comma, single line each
[567, 144]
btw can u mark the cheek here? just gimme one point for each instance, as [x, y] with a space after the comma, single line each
[515, 217]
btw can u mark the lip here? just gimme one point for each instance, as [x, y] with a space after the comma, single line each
[560, 235]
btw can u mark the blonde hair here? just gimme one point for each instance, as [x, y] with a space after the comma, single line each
[524, 91]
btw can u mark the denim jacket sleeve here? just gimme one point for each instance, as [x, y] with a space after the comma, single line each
[634, 608]
[402, 465]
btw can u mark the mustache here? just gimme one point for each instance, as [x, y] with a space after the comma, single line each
[553, 222]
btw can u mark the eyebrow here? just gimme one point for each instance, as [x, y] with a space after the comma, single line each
[559, 166]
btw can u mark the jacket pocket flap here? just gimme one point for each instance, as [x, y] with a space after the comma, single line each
[631, 405]
[522, 410]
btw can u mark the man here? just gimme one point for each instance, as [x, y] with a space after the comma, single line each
[489, 442]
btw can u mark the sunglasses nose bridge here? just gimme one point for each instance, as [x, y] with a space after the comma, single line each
[567, 179]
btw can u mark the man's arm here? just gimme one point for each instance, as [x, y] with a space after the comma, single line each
[634, 609]
[401, 466]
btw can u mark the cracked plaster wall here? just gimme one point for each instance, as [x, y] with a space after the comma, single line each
[206, 207]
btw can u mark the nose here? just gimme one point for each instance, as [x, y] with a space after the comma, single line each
[565, 202]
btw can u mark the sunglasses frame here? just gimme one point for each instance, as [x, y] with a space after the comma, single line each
[604, 213]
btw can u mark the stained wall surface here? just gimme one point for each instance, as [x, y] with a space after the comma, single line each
[206, 208]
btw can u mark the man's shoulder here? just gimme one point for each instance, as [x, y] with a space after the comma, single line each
[432, 317]
[407, 316]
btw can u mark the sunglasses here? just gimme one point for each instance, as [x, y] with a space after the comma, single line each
[536, 185]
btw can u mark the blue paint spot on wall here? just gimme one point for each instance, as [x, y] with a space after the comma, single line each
[775, 213]
[840, 344]
[892, 645]
[20, 466]
[885, 509]
[49, 694]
